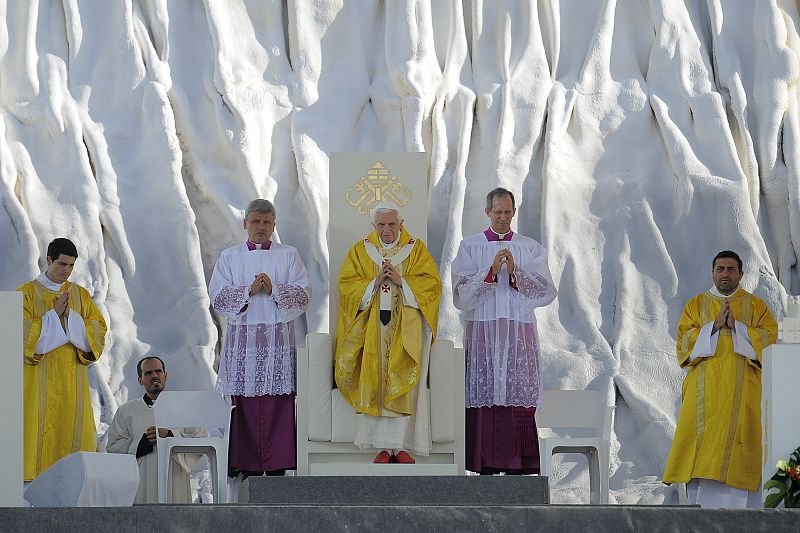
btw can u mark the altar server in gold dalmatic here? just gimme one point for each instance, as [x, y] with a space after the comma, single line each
[64, 333]
[721, 337]
[389, 291]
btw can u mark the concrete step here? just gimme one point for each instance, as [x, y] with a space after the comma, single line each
[395, 519]
[397, 490]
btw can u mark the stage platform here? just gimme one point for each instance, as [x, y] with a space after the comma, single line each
[390, 519]
[396, 504]
[397, 490]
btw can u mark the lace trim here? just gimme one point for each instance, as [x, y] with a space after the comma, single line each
[472, 290]
[502, 364]
[231, 300]
[533, 286]
[290, 296]
[258, 360]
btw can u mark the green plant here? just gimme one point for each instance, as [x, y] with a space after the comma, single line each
[787, 481]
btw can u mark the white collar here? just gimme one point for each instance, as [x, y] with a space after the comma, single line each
[713, 290]
[47, 282]
[391, 244]
[501, 235]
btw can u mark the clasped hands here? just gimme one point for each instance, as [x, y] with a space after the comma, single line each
[503, 257]
[388, 272]
[725, 318]
[151, 434]
[261, 283]
[62, 305]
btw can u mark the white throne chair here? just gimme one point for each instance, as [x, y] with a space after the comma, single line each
[327, 424]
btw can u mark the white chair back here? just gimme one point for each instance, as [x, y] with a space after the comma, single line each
[204, 409]
[574, 409]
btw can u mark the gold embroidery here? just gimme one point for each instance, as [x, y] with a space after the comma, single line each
[732, 425]
[700, 408]
[705, 309]
[42, 369]
[80, 386]
[375, 188]
[747, 312]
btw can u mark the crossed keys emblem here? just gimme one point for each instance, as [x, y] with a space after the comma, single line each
[377, 187]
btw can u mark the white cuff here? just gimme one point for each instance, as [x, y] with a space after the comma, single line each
[742, 343]
[706, 343]
[52, 335]
[76, 331]
[369, 292]
[408, 295]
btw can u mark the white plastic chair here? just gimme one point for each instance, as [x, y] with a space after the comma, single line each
[577, 409]
[198, 409]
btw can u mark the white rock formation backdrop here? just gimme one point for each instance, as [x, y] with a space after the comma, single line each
[640, 136]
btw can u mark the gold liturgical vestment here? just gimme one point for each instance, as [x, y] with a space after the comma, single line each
[58, 417]
[371, 382]
[719, 428]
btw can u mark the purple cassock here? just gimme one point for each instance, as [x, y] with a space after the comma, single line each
[502, 349]
[257, 365]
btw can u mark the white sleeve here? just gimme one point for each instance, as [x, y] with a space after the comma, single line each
[408, 295]
[706, 343]
[742, 343]
[76, 332]
[53, 335]
[369, 292]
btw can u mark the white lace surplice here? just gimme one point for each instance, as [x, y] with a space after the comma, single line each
[259, 354]
[501, 339]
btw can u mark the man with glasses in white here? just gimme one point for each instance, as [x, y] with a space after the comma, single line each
[499, 278]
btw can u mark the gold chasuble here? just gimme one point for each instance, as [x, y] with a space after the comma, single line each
[719, 428]
[377, 366]
[58, 417]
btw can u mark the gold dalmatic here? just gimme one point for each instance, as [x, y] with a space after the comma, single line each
[58, 416]
[719, 428]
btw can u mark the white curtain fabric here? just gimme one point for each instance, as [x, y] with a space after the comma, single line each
[259, 353]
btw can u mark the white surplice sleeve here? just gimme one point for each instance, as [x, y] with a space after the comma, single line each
[706, 343]
[76, 331]
[469, 288]
[291, 298]
[742, 343]
[369, 292]
[408, 295]
[53, 335]
[227, 298]
[120, 434]
[534, 284]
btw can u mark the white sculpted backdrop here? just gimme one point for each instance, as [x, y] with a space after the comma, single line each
[640, 136]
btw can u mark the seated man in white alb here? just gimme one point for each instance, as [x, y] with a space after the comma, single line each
[133, 431]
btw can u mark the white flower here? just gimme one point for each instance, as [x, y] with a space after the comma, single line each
[782, 464]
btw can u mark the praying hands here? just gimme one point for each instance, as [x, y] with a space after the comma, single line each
[725, 318]
[389, 272]
[261, 283]
[503, 257]
[62, 305]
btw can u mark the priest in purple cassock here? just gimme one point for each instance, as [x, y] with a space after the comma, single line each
[261, 288]
[499, 277]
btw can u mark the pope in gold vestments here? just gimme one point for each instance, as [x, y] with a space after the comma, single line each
[718, 436]
[377, 367]
[58, 416]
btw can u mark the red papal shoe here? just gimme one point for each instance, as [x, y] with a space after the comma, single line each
[403, 458]
[383, 458]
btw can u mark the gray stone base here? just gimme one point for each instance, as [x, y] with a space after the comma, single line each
[389, 519]
[398, 491]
